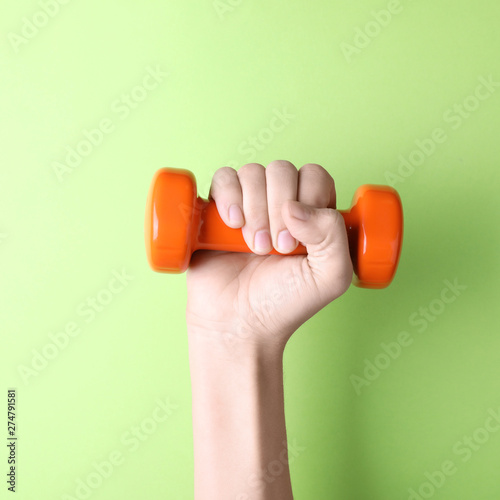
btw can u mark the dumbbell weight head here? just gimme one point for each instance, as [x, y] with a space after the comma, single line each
[170, 214]
[374, 227]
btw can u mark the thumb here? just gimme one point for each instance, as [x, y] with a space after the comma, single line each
[322, 231]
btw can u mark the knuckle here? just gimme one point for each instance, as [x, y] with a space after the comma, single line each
[321, 199]
[256, 216]
[316, 171]
[331, 213]
[334, 217]
[225, 173]
[274, 209]
[251, 170]
[317, 184]
[329, 219]
[280, 165]
[223, 177]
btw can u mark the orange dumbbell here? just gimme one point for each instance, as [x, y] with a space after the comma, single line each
[179, 223]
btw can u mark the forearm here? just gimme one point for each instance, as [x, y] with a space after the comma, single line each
[238, 420]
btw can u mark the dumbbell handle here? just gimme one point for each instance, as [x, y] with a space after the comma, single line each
[214, 234]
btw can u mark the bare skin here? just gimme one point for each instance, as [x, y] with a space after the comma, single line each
[241, 311]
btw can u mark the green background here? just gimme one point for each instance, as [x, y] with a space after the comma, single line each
[227, 70]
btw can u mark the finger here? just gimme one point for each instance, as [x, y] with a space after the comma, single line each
[281, 181]
[226, 192]
[252, 177]
[322, 231]
[316, 187]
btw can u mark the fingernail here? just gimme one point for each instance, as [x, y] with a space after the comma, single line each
[286, 242]
[235, 215]
[300, 212]
[262, 242]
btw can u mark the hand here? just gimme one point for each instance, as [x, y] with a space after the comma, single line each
[257, 301]
[258, 298]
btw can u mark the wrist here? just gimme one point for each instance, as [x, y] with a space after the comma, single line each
[229, 346]
[235, 338]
